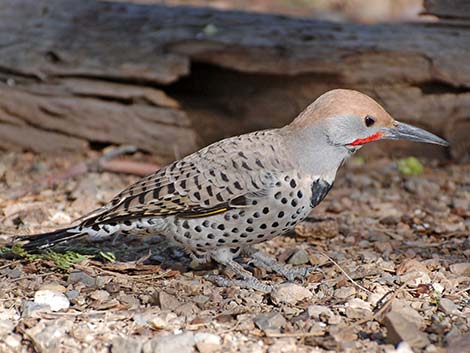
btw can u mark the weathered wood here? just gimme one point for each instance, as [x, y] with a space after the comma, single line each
[90, 70]
[451, 9]
[49, 119]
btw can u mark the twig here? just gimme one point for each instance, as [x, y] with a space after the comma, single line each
[136, 278]
[292, 334]
[389, 301]
[460, 292]
[91, 165]
[128, 167]
[345, 273]
[10, 264]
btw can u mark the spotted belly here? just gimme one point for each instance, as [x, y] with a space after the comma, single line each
[260, 221]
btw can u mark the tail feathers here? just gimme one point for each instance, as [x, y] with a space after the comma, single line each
[47, 240]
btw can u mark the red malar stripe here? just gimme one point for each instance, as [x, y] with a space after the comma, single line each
[370, 138]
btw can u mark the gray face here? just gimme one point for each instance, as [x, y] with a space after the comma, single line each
[344, 130]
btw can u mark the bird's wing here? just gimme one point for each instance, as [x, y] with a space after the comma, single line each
[222, 176]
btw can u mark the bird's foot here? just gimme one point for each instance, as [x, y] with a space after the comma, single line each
[246, 278]
[292, 273]
[248, 283]
[269, 263]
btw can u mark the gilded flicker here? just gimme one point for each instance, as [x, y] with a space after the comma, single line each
[243, 190]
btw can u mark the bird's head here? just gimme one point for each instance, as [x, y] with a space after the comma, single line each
[349, 119]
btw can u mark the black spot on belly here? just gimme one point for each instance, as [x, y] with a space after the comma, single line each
[320, 189]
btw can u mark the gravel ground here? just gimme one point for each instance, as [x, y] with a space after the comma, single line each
[392, 251]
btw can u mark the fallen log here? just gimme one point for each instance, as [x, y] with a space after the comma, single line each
[88, 72]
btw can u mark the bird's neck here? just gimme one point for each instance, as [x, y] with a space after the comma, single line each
[312, 153]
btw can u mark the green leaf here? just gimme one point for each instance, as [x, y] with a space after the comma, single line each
[410, 166]
[4, 250]
[61, 260]
[108, 255]
[64, 261]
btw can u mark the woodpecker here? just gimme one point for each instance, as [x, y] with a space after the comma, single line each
[219, 201]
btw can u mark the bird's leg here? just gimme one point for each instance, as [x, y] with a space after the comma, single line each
[247, 279]
[270, 263]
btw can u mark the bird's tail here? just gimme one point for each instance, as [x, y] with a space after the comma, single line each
[46, 240]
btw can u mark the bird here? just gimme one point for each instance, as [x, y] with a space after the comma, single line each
[221, 200]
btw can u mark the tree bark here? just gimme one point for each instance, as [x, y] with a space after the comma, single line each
[80, 72]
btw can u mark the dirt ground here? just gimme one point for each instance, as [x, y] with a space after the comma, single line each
[392, 252]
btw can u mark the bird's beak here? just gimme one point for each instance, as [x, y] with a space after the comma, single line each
[402, 131]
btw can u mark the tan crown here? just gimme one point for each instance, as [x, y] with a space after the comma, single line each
[343, 102]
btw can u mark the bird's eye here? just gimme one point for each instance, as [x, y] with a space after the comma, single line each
[369, 120]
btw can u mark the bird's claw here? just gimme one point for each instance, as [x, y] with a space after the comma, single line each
[300, 273]
[290, 273]
[248, 283]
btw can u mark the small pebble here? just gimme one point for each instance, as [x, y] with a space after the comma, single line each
[82, 277]
[179, 343]
[461, 269]
[344, 292]
[99, 295]
[415, 278]
[290, 293]
[54, 299]
[167, 301]
[207, 342]
[270, 321]
[399, 329]
[126, 345]
[300, 257]
[448, 306]
[358, 309]
[54, 287]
